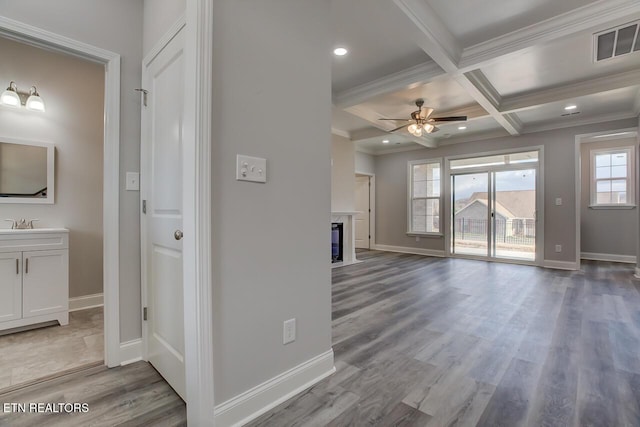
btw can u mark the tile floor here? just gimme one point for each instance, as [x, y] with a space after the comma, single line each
[37, 353]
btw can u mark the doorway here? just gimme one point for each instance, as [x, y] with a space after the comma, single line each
[494, 205]
[363, 207]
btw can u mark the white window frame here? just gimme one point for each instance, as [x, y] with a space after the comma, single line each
[631, 189]
[440, 198]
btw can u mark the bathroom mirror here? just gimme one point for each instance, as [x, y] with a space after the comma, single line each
[26, 171]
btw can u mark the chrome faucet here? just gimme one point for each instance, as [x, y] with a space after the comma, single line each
[21, 224]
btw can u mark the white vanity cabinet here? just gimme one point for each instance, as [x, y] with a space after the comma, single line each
[34, 277]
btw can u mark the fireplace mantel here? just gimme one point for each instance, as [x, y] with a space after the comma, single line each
[349, 236]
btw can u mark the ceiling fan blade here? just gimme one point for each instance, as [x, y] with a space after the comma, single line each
[425, 113]
[449, 119]
[398, 120]
[398, 128]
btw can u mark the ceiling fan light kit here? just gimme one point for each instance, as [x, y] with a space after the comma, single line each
[423, 122]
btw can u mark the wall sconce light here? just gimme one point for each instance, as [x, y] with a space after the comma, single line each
[13, 98]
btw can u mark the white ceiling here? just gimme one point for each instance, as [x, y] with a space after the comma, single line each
[510, 66]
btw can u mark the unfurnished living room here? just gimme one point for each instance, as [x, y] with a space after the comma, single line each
[320, 213]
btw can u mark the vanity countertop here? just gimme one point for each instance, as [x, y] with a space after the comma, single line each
[33, 230]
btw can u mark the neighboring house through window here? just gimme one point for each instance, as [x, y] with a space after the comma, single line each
[424, 197]
[612, 177]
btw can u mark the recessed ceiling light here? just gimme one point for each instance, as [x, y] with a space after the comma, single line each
[340, 51]
[570, 107]
[385, 141]
[462, 127]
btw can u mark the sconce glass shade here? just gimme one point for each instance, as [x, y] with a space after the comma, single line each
[10, 96]
[428, 127]
[34, 102]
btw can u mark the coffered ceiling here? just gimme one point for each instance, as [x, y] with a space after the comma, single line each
[510, 66]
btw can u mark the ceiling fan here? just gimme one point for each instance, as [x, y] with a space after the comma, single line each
[424, 123]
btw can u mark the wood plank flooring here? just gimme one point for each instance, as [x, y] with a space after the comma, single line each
[450, 342]
[429, 342]
[132, 395]
[30, 355]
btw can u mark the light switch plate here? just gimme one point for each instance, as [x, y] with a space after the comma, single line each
[289, 331]
[253, 169]
[558, 201]
[133, 181]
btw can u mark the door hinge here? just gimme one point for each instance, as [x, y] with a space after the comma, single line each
[369, 210]
[144, 95]
[144, 313]
[144, 206]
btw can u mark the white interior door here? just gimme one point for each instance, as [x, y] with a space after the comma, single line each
[161, 167]
[363, 207]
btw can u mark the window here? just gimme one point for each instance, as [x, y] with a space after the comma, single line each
[424, 197]
[612, 174]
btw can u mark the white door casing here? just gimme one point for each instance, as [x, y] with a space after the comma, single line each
[362, 218]
[161, 178]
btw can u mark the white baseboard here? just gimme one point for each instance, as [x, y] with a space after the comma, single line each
[249, 405]
[630, 259]
[408, 250]
[130, 351]
[560, 265]
[86, 301]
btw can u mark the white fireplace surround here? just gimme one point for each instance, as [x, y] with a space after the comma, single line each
[348, 237]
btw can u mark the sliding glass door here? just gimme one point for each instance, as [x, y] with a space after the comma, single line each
[494, 205]
[470, 214]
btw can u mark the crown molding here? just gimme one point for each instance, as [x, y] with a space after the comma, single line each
[573, 90]
[420, 73]
[579, 122]
[580, 19]
[400, 150]
[491, 134]
[636, 104]
[340, 132]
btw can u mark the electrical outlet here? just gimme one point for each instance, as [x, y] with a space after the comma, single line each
[558, 248]
[417, 238]
[289, 331]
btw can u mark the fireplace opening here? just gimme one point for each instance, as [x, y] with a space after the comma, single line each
[336, 242]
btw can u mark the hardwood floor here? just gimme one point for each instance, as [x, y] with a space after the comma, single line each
[451, 342]
[36, 353]
[132, 395]
[429, 342]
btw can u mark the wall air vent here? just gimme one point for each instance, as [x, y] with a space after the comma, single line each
[616, 41]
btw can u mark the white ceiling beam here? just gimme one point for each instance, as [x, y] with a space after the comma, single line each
[340, 132]
[584, 18]
[433, 36]
[477, 85]
[368, 133]
[570, 91]
[419, 74]
[491, 134]
[436, 40]
[636, 104]
[385, 125]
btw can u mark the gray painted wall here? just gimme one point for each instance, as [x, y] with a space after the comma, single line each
[365, 163]
[115, 25]
[559, 159]
[605, 231]
[73, 92]
[270, 241]
[343, 176]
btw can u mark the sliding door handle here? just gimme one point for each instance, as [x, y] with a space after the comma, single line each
[26, 266]
[17, 266]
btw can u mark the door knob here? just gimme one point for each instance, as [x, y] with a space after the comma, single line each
[178, 234]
